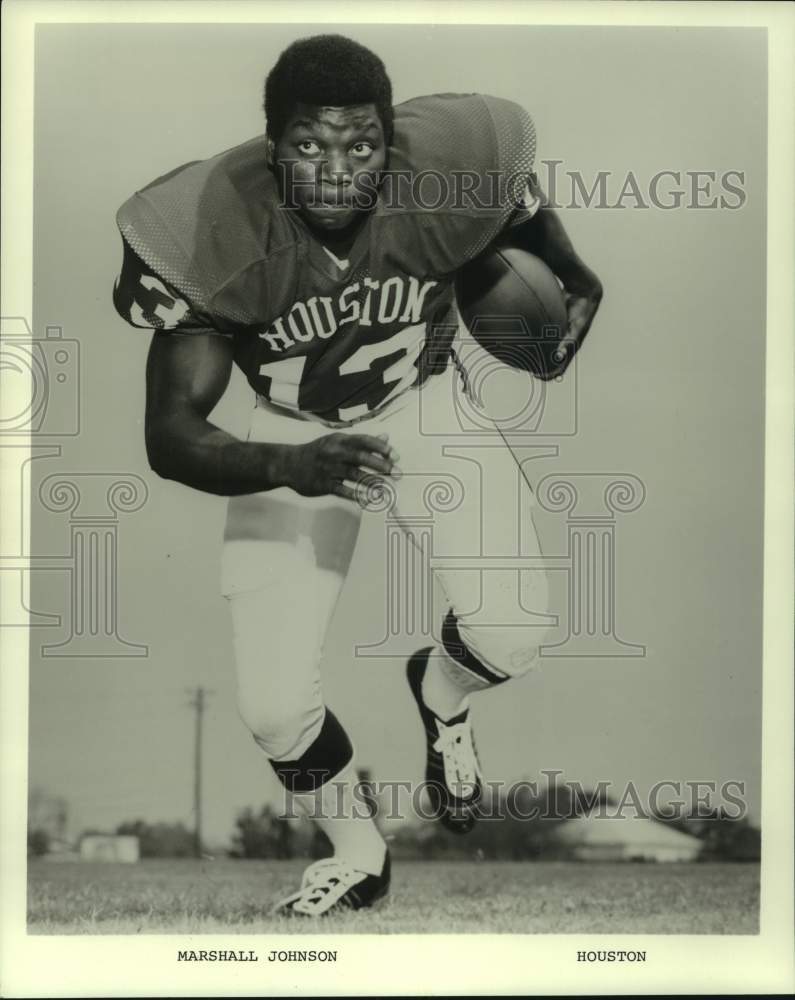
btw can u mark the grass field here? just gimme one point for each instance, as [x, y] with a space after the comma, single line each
[433, 897]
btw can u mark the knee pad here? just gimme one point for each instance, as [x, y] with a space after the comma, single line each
[493, 655]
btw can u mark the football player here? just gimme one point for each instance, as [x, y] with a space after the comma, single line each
[317, 259]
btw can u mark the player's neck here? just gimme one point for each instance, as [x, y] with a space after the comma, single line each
[339, 241]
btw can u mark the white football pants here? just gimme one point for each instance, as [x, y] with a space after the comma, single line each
[286, 556]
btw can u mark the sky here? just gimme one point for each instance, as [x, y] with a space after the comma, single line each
[668, 389]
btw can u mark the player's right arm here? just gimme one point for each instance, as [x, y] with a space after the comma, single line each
[188, 369]
[186, 375]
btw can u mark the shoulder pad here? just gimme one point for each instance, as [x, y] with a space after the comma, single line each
[458, 167]
[205, 222]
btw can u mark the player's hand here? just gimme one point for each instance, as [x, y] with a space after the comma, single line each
[346, 465]
[582, 297]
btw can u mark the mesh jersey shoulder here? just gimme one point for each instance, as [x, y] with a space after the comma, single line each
[205, 223]
[453, 132]
[458, 168]
[213, 232]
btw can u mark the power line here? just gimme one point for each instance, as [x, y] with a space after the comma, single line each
[198, 703]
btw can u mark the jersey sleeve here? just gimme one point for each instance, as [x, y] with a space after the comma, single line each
[146, 301]
[515, 146]
[528, 206]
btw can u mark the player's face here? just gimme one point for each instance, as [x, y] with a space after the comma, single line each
[330, 159]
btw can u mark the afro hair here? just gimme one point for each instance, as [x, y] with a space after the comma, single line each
[327, 70]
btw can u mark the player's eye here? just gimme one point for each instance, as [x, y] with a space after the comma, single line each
[362, 150]
[308, 147]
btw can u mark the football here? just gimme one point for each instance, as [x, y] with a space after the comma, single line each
[513, 306]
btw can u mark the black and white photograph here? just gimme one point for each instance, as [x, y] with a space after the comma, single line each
[397, 528]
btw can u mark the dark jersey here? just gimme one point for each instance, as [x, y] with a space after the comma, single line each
[210, 248]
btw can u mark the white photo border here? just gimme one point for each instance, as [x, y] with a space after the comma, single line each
[417, 964]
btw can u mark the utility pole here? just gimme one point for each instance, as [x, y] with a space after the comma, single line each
[198, 702]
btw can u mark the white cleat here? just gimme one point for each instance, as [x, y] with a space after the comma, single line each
[332, 885]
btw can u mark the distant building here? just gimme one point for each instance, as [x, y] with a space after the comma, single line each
[109, 847]
[626, 838]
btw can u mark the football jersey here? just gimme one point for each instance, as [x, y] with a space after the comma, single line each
[211, 248]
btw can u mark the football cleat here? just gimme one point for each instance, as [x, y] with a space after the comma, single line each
[333, 885]
[452, 769]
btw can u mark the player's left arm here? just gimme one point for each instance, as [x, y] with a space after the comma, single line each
[542, 233]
